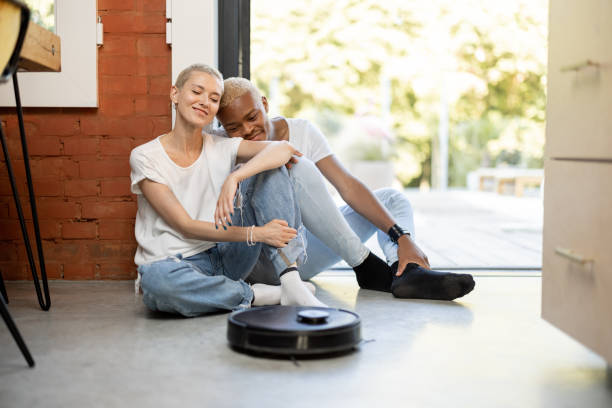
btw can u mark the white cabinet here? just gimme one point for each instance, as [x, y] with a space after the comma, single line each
[577, 284]
[577, 250]
[579, 99]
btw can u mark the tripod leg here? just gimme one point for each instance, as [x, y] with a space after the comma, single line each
[15, 332]
[46, 303]
[3, 289]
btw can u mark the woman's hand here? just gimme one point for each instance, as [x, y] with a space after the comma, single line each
[294, 159]
[276, 233]
[225, 204]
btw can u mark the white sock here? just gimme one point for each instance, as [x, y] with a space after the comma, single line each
[296, 292]
[266, 294]
[310, 286]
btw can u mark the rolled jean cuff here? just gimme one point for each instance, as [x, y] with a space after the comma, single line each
[362, 256]
[294, 252]
[247, 297]
[392, 255]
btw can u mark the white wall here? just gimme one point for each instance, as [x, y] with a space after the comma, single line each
[194, 34]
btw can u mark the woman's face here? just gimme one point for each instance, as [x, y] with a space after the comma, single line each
[246, 117]
[197, 101]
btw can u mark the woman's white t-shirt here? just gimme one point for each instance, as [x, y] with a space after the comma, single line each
[196, 187]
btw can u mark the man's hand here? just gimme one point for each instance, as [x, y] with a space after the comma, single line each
[409, 252]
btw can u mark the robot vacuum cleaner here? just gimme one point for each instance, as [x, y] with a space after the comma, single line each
[294, 331]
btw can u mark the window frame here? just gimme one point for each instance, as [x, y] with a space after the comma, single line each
[76, 86]
[235, 38]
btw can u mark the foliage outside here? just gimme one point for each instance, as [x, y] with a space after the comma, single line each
[42, 13]
[374, 75]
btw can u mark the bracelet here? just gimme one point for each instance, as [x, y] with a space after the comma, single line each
[249, 236]
[395, 232]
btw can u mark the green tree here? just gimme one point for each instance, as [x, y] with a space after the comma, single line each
[332, 60]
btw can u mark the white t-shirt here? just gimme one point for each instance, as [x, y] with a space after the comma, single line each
[196, 187]
[308, 139]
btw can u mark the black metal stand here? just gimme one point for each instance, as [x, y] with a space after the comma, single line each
[46, 303]
[3, 289]
[12, 327]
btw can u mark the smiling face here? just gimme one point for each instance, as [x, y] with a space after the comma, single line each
[197, 100]
[246, 117]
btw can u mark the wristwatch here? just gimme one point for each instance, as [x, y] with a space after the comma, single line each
[395, 232]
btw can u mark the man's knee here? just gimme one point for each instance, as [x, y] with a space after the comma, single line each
[306, 176]
[304, 169]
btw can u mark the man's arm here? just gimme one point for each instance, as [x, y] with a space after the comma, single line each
[362, 200]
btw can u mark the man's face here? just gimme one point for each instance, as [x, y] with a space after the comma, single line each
[246, 117]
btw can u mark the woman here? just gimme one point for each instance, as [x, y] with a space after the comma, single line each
[194, 250]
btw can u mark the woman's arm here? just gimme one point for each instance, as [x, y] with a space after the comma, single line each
[276, 233]
[362, 200]
[261, 156]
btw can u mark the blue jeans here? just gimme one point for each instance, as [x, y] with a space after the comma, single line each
[333, 233]
[213, 280]
[323, 254]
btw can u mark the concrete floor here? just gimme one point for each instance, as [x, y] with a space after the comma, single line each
[99, 347]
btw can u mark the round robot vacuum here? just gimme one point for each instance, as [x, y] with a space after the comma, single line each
[294, 330]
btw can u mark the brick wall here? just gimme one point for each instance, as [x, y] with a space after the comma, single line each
[79, 157]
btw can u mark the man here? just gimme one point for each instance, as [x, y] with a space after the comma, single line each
[334, 233]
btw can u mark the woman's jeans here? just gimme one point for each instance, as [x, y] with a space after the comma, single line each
[213, 280]
[334, 234]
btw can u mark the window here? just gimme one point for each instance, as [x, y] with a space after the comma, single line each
[76, 85]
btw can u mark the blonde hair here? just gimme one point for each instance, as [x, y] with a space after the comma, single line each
[183, 76]
[236, 87]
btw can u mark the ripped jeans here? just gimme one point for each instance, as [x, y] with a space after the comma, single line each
[213, 280]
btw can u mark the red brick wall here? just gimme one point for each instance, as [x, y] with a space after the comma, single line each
[79, 157]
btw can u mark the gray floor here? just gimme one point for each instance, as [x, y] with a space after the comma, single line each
[98, 346]
[459, 228]
[470, 228]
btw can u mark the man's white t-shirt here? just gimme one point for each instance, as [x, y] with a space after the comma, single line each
[304, 136]
[196, 187]
[308, 139]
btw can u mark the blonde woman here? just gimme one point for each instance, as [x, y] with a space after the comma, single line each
[201, 228]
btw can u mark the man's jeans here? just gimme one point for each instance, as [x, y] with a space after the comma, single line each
[213, 280]
[334, 234]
